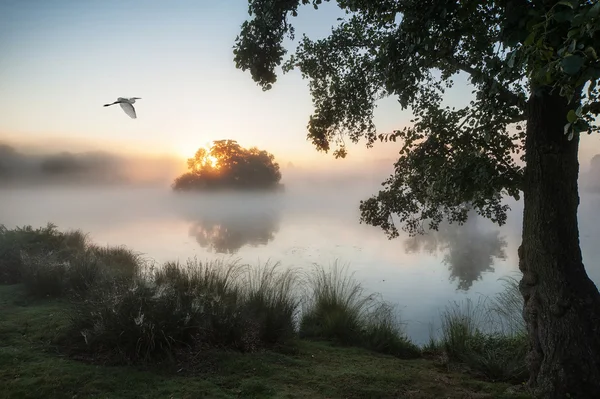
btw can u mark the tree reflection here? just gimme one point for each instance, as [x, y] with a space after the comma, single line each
[469, 250]
[228, 232]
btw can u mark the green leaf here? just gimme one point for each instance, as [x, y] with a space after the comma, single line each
[571, 116]
[567, 127]
[572, 64]
[594, 11]
[530, 39]
[591, 52]
[579, 110]
[566, 3]
[563, 16]
[511, 59]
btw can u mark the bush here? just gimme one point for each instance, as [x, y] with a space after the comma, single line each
[71, 267]
[34, 242]
[339, 311]
[120, 261]
[186, 308]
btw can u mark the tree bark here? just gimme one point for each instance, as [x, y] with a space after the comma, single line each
[562, 305]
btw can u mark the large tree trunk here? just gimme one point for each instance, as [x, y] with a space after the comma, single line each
[562, 305]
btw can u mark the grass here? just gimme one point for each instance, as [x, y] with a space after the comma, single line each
[181, 310]
[86, 311]
[54, 263]
[32, 367]
[34, 242]
[339, 311]
[488, 337]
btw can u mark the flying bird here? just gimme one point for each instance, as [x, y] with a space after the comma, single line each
[127, 105]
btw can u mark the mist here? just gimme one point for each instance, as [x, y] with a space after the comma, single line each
[22, 168]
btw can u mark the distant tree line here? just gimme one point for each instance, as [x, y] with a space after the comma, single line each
[88, 167]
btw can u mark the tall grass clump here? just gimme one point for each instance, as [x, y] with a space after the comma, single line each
[338, 310]
[271, 302]
[120, 261]
[53, 263]
[20, 244]
[488, 337]
[182, 309]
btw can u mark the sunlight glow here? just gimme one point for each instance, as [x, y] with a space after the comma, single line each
[213, 161]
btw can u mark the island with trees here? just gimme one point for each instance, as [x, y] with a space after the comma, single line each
[226, 165]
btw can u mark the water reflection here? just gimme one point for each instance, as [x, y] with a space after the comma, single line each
[224, 224]
[228, 233]
[468, 250]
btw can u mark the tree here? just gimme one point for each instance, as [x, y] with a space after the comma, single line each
[528, 62]
[227, 165]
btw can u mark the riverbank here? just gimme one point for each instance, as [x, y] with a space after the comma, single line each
[83, 321]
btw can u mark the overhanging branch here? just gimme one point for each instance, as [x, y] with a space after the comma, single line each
[509, 96]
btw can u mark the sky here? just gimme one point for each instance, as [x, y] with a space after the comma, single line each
[63, 59]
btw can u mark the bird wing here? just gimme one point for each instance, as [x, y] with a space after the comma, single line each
[129, 110]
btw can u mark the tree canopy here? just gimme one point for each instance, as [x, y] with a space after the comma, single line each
[451, 159]
[227, 165]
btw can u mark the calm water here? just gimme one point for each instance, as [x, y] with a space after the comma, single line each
[304, 225]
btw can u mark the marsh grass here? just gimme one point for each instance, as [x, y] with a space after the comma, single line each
[32, 368]
[272, 301]
[124, 306]
[338, 310]
[182, 309]
[488, 336]
[42, 241]
[54, 263]
[120, 261]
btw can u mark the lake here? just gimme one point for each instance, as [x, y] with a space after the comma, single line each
[304, 225]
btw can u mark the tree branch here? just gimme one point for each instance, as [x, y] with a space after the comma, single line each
[509, 95]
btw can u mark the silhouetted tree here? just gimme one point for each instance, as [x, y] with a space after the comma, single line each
[227, 165]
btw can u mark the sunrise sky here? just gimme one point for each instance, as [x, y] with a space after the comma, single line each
[62, 60]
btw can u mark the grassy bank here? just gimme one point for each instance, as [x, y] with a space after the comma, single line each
[77, 319]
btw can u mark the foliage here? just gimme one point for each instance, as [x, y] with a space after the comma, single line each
[35, 242]
[187, 307]
[227, 165]
[567, 62]
[339, 311]
[452, 159]
[54, 263]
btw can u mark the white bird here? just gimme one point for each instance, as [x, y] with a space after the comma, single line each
[126, 104]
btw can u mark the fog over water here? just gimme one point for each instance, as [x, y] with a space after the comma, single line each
[316, 219]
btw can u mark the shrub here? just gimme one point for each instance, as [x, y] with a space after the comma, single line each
[186, 308]
[119, 260]
[43, 275]
[72, 267]
[35, 242]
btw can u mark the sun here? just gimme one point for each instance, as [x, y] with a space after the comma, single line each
[213, 161]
